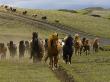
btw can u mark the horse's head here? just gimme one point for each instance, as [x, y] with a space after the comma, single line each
[54, 40]
[96, 41]
[77, 37]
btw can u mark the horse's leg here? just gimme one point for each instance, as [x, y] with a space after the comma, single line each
[81, 48]
[34, 59]
[66, 58]
[89, 50]
[55, 61]
[70, 58]
[80, 51]
[50, 62]
[46, 58]
[76, 51]
[86, 52]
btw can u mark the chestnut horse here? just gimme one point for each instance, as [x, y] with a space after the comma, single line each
[96, 45]
[53, 50]
[77, 44]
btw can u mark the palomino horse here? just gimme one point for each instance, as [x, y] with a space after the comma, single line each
[77, 44]
[96, 45]
[53, 50]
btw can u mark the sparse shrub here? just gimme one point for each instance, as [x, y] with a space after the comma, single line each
[44, 17]
[94, 15]
[24, 12]
[57, 21]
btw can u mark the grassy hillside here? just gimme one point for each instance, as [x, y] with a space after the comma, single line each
[92, 68]
[93, 25]
[84, 68]
[16, 29]
[86, 23]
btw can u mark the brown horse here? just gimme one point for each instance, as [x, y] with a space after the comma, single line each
[96, 45]
[36, 48]
[53, 50]
[86, 43]
[87, 47]
[77, 44]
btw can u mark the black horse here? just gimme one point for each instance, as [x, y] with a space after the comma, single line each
[21, 49]
[36, 48]
[68, 49]
[12, 49]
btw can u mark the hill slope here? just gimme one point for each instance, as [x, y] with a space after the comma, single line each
[85, 23]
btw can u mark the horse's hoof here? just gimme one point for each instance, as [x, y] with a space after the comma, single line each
[63, 61]
[69, 63]
[53, 69]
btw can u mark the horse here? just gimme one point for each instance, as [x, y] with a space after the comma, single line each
[77, 44]
[21, 49]
[12, 48]
[87, 47]
[24, 12]
[53, 50]
[27, 47]
[83, 45]
[96, 45]
[3, 51]
[37, 50]
[68, 49]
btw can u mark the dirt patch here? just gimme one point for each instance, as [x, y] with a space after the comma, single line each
[62, 75]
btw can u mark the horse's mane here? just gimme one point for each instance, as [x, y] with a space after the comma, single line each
[77, 37]
[53, 38]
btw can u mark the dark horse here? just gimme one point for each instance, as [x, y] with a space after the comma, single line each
[12, 49]
[21, 49]
[36, 48]
[68, 49]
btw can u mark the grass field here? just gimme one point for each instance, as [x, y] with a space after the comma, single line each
[14, 70]
[91, 68]
[93, 25]
[13, 29]
[86, 23]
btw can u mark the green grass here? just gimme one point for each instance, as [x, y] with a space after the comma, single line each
[106, 47]
[92, 68]
[17, 30]
[25, 71]
[86, 23]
